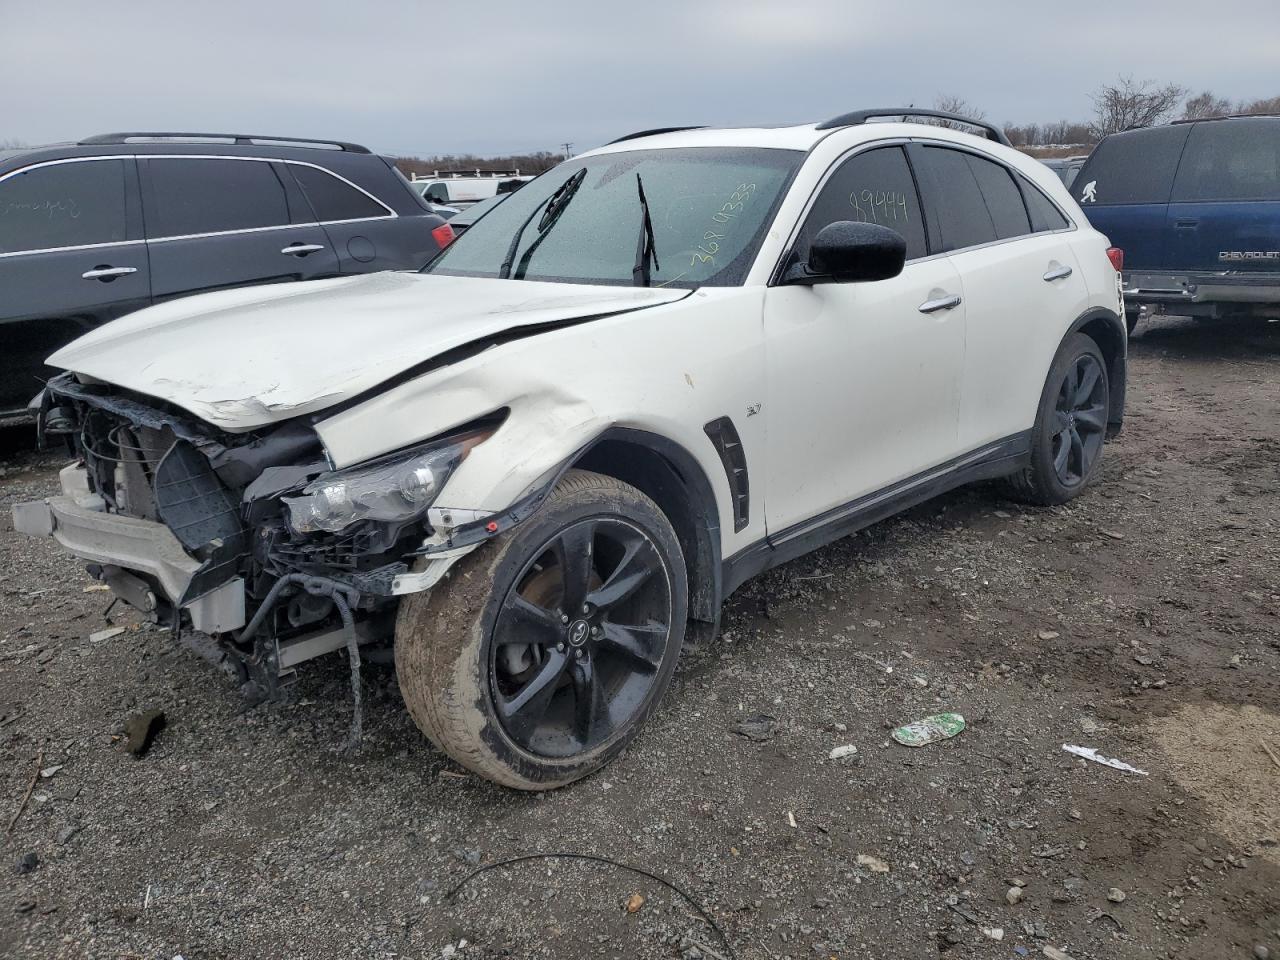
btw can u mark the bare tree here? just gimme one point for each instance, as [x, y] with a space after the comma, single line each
[1128, 103]
[1204, 105]
[948, 103]
[1269, 105]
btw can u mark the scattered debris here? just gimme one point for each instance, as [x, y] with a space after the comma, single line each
[759, 728]
[141, 730]
[1013, 896]
[48, 772]
[940, 726]
[1053, 953]
[1270, 753]
[106, 634]
[701, 910]
[844, 753]
[874, 864]
[993, 933]
[1048, 634]
[634, 903]
[66, 833]
[1091, 753]
[1113, 534]
[27, 863]
[1261, 952]
[1116, 895]
[96, 588]
[27, 796]
[791, 819]
[24, 906]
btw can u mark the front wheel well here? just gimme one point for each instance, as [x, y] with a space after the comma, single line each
[668, 475]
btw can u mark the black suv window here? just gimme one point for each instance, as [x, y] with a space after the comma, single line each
[1135, 167]
[871, 187]
[62, 205]
[331, 199]
[1004, 199]
[198, 195]
[1230, 160]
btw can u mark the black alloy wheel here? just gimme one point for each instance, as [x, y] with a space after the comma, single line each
[579, 638]
[1079, 423]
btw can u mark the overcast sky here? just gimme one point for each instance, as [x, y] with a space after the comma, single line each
[413, 77]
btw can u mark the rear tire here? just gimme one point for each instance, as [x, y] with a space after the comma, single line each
[540, 656]
[1070, 425]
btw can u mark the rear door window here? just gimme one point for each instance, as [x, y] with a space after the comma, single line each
[871, 187]
[1004, 199]
[1230, 160]
[963, 219]
[1133, 167]
[332, 199]
[63, 205]
[195, 195]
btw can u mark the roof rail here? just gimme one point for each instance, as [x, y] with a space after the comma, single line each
[240, 138]
[858, 117]
[651, 133]
[1225, 116]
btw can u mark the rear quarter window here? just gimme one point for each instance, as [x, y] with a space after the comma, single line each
[1132, 167]
[331, 199]
[1230, 160]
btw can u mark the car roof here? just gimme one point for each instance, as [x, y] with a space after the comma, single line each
[330, 156]
[802, 137]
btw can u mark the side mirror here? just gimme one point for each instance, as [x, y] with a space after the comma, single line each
[850, 252]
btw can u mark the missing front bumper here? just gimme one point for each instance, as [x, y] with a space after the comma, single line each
[140, 546]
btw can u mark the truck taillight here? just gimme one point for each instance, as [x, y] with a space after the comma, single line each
[444, 235]
[1116, 256]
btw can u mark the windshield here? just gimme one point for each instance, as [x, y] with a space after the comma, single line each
[709, 207]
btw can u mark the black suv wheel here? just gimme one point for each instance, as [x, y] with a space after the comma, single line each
[541, 654]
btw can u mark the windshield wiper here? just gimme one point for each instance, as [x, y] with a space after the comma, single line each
[552, 207]
[646, 249]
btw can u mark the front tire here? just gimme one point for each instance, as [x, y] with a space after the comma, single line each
[1070, 426]
[542, 653]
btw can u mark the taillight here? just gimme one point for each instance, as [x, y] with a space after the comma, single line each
[444, 235]
[1116, 256]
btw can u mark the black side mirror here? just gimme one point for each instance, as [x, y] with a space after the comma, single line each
[850, 252]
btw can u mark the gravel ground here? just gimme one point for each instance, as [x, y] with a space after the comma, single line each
[1143, 619]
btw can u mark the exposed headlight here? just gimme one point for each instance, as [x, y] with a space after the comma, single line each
[394, 490]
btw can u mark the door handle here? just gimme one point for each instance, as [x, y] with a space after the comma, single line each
[107, 273]
[1058, 273]
[942, 303]
[1186, 223]
[302, 249]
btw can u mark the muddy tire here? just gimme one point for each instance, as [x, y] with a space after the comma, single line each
[540, 655]
[1070, 425]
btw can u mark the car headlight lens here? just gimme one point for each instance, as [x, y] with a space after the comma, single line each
[394, 490]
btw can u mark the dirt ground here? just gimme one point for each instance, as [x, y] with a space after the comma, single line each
[1143, 620]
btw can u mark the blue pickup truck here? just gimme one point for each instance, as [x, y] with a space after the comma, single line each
[1195, 206]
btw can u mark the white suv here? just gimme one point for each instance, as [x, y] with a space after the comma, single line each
[655, 371]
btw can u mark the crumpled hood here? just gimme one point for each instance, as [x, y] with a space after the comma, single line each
[244, 358]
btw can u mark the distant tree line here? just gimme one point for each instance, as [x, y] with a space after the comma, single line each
[1125, 104]
[526, 163]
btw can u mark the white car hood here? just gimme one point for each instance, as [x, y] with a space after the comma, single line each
[245, 358]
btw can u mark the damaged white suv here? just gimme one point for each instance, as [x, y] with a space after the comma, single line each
[657, 370]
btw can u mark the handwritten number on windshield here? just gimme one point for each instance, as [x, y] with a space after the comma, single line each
[705, 252]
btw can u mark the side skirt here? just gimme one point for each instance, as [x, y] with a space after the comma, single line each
[997, 459]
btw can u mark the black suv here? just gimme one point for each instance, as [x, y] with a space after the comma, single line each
[93, 230]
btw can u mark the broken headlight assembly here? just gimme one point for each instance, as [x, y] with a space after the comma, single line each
[396, 489]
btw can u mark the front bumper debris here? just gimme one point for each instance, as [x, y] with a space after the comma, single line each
[137, 545]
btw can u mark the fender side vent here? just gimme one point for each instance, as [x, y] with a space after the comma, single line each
[724, 436]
